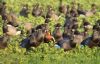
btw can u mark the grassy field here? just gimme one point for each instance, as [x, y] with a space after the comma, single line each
[14, 54]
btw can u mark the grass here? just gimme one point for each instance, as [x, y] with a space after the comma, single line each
[14, 54]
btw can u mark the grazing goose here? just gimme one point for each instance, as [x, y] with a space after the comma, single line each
[51, 14]
[93, 40]
[11, 19]
[37, 38]
[66, 44]
[24, 11]
[77, 37]
[10, 30]
[3, 41]
[70, 23]
[34, 40]
[28, 26]
[37, 10]
[62, 8]
[92, 11]
[2, 8]
[43, 26]
[93, 8]
[80, 9]
[28, 41]
[47, 20]
[73, 11]
[67, 22]
[87, 27]
[57, 33]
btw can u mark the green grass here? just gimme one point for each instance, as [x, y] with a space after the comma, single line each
[13, 54]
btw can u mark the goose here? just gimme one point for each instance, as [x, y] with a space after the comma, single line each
[52, 14]
[92, 11]
[24, 11]
[3, 41]
[62, 8]
[37, 10]
[10, 30]
[94, 39]
[80, 9]
[28, 27]
[57, 33]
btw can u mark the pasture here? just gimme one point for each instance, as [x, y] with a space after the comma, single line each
[44, 54]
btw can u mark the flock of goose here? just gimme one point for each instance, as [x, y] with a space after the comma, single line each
[68, 39]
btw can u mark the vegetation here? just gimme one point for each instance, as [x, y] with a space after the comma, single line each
[44, 54]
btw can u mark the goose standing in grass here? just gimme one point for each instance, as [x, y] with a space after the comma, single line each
[37, 10]
[92, 11]
[93, 40]
[80, 9]
[4, 41]
[3, 10]
[10, 30]
[57, 33]
[51, 14]
[77, 37]
[34, 40]
[28, 27]
[67, 43]
[24, 11]
[62, 7]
